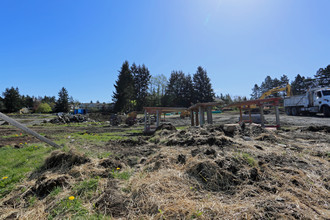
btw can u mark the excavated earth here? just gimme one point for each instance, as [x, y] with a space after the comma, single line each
[221, 171]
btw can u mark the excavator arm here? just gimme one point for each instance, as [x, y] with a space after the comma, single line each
[277, 89]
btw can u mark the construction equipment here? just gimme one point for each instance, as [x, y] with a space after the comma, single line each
[313, 101]
[131, 118]
[287, 88]
[185, 114]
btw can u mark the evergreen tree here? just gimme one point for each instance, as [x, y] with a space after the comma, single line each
[298, 85]
[62, 104]
[255, 92]
[27, 101]
[267, 84]
[203, 91]
[323, 76]
[284, 80]
[175, 90]
[124, 94]
[141, 77]
[2, 105]
[310, 83]
[188, 91]
[12, 100]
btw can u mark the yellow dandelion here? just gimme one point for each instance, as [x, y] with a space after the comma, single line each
[118, 168]
[16, 135]
[25, 143]
[20, 143]
[71, 198]
[5, 177]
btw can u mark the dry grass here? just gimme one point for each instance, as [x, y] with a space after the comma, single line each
[273, 175]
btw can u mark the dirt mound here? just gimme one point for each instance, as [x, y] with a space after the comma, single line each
[168, 127]
[252, 130]
[45, 184]
[266, 137]
[67, 118]
[59, 160]
[212, 177]
[212, 135]
[111, 164]
[112, 202]
[325, 129]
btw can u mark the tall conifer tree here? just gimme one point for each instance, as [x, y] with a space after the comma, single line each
[124, 94]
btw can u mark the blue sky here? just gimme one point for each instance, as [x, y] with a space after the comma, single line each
[81, 44]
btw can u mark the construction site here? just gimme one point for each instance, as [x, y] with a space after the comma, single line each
[169, 163]
[165, 110]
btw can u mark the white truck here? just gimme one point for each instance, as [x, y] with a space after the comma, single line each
[313, 101]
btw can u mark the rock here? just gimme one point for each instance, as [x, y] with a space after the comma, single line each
[245, 138]
[231, 129]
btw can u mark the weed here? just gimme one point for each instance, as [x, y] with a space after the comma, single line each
[32, 200]
[86, 188]
[103, 155]
[121, 175]
[55, 192]
[196, 214]
[66, 206]
[249, 159]
[162, 214]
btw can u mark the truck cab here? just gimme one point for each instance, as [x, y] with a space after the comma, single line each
[321, 100]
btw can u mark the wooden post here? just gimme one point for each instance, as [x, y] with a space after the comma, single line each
[240, 114]
[250, 118]
[262, 115]
[209, 115]
[277, 113]
[27, 130]
[192, 117]
[157, 123]
[201, 116]
[145, 120]
[197, 122]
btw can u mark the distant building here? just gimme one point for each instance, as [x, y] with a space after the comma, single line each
[96, 106]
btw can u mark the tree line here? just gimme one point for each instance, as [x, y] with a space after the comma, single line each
[298, 86]
[136, 88]
[13, 101]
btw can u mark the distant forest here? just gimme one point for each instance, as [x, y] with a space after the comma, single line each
[136, 88]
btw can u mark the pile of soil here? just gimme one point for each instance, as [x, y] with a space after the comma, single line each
[68, 118]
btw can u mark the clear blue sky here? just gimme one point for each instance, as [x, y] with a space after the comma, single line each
[81, 44]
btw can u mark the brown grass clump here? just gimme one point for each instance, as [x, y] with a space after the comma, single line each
[59, 160]
[212, 177]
